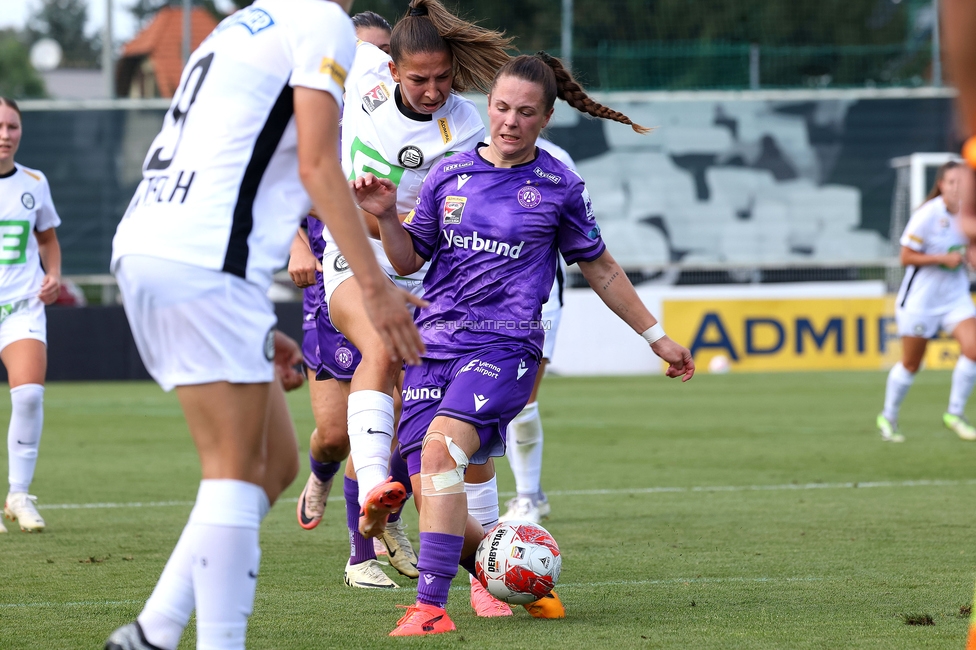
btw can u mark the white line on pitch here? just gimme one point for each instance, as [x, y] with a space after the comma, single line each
[80, 603]
[570, 493]
[571, 585]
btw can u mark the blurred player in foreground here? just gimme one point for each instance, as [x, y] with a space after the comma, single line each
[492, 242]
[958, 25]
[934, 295]
[250, 137]
[30, 277]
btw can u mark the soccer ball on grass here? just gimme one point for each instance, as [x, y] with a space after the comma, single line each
[518, 562]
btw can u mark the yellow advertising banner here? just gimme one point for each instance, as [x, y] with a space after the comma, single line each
[792, 334]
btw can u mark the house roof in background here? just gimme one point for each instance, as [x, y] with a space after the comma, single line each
[162, 42]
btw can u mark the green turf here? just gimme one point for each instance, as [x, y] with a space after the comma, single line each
[837, 567]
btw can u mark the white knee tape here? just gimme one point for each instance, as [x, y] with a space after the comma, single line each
[451, 481]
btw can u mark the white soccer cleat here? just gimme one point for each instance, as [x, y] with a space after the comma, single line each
[368, 575]
[311, 502]
[888, 429]
[129, 637]
[960, 425]
[543, 504]
[20, 508]
[523, 508]
[399, 549]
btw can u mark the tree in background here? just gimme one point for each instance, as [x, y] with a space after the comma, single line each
[64, 21]
[18, 79]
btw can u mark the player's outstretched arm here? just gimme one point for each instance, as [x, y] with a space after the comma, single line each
[377, 196]
[317, 121]
[50, 252]
[610, 282]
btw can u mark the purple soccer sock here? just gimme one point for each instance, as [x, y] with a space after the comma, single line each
[360, 548]
[439, 557]
[323, 471]
[399, 472]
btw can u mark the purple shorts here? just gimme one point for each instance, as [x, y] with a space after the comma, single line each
[327, 352]
[338, 357]
[486, 389]
[311, 305]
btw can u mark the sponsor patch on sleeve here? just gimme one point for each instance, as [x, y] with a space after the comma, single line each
[376, 97]
[916, 239]
[454, 209]
[410, 215]
[445, 129]
[333, 69]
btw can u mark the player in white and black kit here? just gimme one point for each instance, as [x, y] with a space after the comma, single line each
[250, 137]
[27, 223]
[934, 295]
[403, 115]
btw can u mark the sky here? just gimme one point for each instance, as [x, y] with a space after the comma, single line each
[16, 13]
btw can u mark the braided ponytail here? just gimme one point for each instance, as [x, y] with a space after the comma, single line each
[569, 90]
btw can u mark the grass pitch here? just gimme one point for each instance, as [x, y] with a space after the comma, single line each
[737, 511]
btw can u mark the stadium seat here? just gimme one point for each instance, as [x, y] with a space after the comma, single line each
[636, 245]
[736, 186]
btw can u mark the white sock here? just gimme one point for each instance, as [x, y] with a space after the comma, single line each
[483, 502]
[168, 609]
[223, 533]
[525, 451]
[963, 378]
[24, 434]
[370, 410]
[899, 381]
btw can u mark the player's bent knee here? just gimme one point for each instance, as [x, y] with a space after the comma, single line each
[437, 477]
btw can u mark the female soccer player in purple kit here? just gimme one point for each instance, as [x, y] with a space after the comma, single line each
[491, 222]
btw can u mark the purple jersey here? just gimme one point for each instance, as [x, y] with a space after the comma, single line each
[492, 236]
[312, 296]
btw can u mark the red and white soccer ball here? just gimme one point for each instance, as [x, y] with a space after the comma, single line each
[518, 562]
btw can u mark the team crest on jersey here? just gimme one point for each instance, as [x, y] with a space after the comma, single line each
[376, 97]
[340, 263]
[410, 157]
[445, 129]
[28, 200]
[343, 357]
[454, 209]
[529, 197]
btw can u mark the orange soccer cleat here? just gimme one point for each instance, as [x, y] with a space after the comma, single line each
[549, 606]
[383, 499]
[422, 619]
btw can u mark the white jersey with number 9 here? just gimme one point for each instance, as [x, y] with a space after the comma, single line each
[220, 186]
